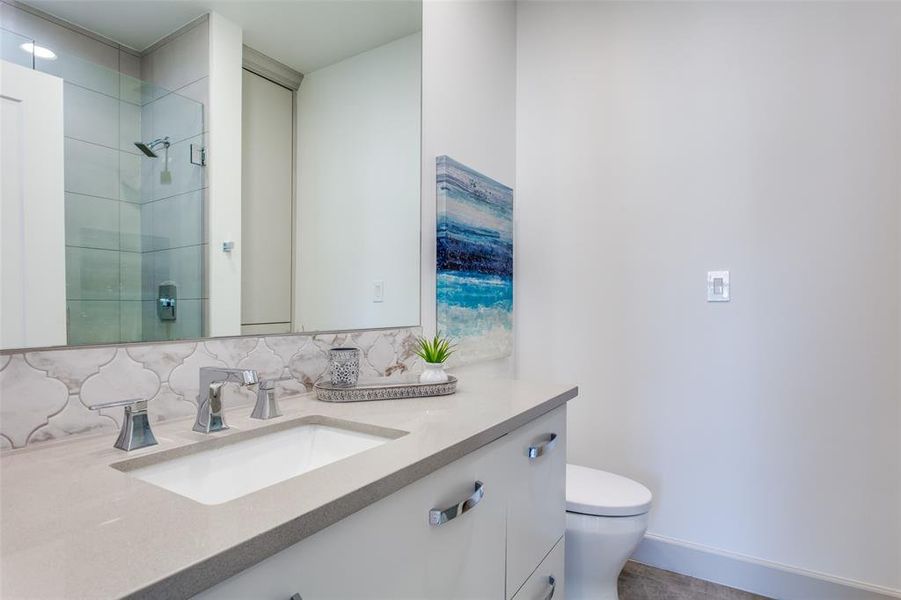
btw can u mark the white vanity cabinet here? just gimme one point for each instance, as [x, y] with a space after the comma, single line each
[391, 550]
[546, 582]
[536, 513]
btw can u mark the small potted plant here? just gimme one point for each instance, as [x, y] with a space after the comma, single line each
[435, 353]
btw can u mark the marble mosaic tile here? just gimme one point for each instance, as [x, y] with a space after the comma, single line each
[121, 378]
[184, 379]
[75, 418]
[162, 358]
[267, 363]
[381, 355]
[28, 398]
[285, 346]
[71, 367]
[309, 364]
[46, 395]
[167, 405]
[230, 350]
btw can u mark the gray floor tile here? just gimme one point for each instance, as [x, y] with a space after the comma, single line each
[641, 582]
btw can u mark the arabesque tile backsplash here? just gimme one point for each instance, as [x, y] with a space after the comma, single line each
[45, 395]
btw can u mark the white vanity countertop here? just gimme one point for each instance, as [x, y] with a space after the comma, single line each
[71, 526]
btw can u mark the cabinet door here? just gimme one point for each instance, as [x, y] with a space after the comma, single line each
[536, 516]
[546, 583]
[390, 549]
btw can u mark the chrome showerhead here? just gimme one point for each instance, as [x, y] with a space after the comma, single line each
[148, 148]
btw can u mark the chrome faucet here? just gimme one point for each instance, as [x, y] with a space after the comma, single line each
[135, 431]
[267, 404]
[210, 412]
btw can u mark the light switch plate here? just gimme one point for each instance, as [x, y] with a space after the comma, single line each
[718, 286]
[378, 291]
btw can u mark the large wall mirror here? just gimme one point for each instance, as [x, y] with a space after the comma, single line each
[114, 115]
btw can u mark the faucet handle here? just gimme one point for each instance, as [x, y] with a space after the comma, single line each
[269, 384]
[266, 406]
[133, 402]
[135, 432]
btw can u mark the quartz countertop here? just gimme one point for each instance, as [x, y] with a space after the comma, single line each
[72, 526]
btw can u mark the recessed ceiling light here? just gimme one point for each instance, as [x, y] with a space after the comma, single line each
[38, 51]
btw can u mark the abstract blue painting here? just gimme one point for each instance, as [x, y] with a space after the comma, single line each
[475, 262]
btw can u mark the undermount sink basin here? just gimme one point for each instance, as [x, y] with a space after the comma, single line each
[241, 463]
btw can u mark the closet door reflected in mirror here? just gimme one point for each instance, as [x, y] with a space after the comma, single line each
[247, 171]
[267, 185]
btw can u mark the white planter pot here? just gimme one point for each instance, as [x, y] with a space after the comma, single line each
[434, 373]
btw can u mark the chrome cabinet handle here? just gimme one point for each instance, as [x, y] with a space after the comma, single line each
[438, 516]
[553, 583]
[542, 448]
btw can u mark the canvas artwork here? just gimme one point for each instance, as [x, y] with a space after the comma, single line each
[475, 262]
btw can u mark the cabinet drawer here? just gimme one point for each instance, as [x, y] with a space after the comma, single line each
[546, 582]
[536, 510]
[391, 549]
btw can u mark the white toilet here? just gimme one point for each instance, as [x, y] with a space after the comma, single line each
[606, 517]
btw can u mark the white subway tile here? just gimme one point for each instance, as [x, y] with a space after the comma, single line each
[129, 127]
[176, 117]
[130, 264]
[91, 169]
[130, 235]
[182, 60]
[92, 222]
[93, 321]
[177, 221]
[92, 274]
[90, 116]
[130, 177]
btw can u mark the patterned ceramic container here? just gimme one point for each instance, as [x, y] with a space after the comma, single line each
[345, 366]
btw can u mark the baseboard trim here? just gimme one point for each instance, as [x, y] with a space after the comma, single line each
[762, 577]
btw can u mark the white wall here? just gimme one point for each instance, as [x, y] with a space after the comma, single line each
[224, 176]
[657, 141]
[468, 113]
[358, 143]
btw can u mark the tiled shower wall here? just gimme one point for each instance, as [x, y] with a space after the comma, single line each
[102, 176]
[128, 228]
[45, 395]
[174, 238]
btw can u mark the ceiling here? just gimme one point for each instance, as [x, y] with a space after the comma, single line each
[304, 34]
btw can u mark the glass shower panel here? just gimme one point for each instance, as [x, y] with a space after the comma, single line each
[134, 203]
[172, 216]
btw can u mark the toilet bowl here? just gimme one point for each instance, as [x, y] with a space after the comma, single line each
[606, 517]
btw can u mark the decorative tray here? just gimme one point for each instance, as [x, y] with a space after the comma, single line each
[373, 390]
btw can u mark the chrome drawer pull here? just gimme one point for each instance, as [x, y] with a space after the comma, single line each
[440, 517]
[553, 583]
[543, 447]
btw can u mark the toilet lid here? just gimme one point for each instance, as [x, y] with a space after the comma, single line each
[593, 492]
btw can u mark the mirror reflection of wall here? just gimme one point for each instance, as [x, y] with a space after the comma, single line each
[155, 243]
[359, 232]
